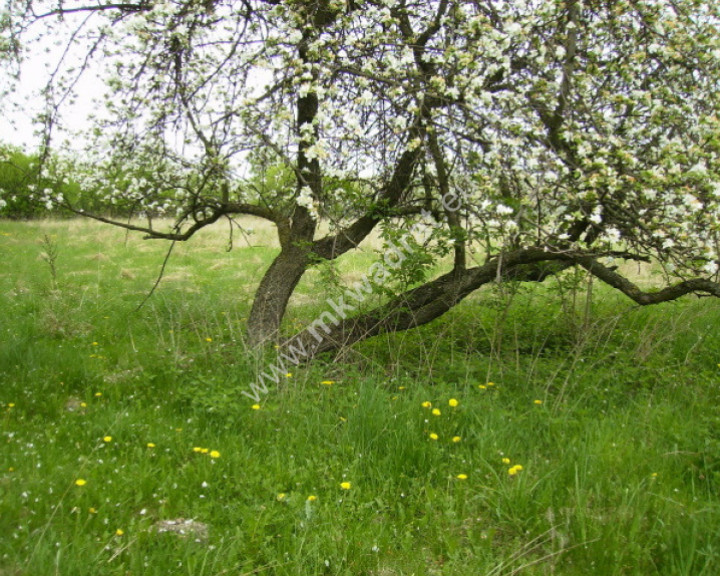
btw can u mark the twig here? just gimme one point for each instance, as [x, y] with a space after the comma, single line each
[159, 278]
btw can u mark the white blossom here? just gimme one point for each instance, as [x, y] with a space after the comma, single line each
[711, 267]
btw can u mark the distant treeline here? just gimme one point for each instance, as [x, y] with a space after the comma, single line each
[25, 193]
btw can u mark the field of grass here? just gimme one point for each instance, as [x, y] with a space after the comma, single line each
[532, 431]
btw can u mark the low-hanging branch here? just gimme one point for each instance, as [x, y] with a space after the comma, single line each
[216, 213]
[618, 281]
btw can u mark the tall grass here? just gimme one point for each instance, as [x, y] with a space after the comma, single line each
[610, 410]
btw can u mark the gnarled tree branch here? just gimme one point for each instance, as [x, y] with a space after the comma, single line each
[425, 303]
[618, 281]
[216, 213]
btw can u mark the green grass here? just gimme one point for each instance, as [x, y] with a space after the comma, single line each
[610, 410]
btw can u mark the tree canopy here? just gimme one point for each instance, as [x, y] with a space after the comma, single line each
[517, 138]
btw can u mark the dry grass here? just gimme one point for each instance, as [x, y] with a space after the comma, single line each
[215, 240]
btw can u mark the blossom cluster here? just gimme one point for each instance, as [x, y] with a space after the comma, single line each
[562, 125]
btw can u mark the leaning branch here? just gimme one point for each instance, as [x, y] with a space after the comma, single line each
[431, 300]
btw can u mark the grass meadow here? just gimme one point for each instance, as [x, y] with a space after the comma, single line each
[547, 429]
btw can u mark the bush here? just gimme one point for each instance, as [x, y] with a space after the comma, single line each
[24, 194]
[18, 179]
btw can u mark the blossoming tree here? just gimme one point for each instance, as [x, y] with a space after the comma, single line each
[527, 137]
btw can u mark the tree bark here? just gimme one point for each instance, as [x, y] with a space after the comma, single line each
[273, 294]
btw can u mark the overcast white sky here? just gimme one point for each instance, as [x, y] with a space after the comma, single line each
[25, 102]
[18, 110]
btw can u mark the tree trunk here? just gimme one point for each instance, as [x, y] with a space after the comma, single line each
[273, 294]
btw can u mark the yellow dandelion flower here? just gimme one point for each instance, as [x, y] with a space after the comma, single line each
[281, 496]
[311, 498]
[462, 477]
[208, 339]
[453, 402]
[214, 454]
[436, 412]
[94, 343]
[150, 445]
[491, 383]
[427, 404]
[80, 482]
[98, 394]
[11, 405]
[538, 402]
[197, 449]
[456, 439]
[288, 375]
[515, 469]
[107, 439]
[204, 450]
[506, 460]
[482, 386]
[345, 485]
[327, 382]
[119, 532]
[401, 387]
[83, 405]
[92, 510]
[433, 436]
[256, 406]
